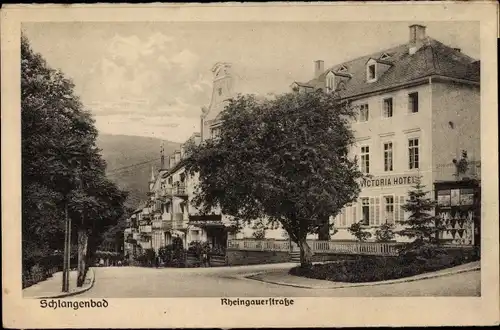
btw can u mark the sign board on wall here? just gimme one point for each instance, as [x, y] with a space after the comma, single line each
[388, 181]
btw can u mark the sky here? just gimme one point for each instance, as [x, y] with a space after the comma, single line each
[152, 78]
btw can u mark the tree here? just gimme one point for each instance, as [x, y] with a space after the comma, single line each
[284, 159]
[357, 230]
[422, 226]
[63, 174]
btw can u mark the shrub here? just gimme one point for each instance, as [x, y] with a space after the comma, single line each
[372, 269]
[357, 230]
[198, 248]
[173, 255]
[385, 233]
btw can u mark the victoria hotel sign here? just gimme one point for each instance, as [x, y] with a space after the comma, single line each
[388, 181]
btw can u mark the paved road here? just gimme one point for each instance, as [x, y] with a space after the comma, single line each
[134, 282]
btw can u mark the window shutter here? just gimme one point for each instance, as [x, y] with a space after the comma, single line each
[396, 209]
[377, 211]
[401, 211]
[354, 215]
[372, 211]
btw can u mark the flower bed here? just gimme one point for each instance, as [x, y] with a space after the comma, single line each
[373, 269]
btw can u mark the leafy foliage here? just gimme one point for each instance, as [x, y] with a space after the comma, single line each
[372, 269]
[61, 165]
[385, 233]
[357, 230]
[259, 228]
[284, 159]
[173, 255]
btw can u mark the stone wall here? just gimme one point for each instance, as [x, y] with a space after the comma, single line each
[240, 257]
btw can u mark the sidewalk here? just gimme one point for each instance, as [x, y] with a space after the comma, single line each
[283, 278]
[51, 287]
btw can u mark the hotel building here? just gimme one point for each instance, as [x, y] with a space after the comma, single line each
[418, 110]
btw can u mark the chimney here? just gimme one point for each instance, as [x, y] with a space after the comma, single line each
[417, 37]
[319, 68]
[457, 50]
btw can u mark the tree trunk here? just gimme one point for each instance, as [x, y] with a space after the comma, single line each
[82, 255]
[324, 230]
[305, 254]
[65, 287]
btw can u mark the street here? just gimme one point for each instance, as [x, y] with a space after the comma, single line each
[135, 282]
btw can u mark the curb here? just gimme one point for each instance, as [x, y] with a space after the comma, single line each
[72, 293]
[401, 280]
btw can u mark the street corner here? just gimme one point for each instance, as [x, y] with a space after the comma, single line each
[87, 285]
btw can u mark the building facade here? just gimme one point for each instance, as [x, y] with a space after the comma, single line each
[418, 113]
[418, 110]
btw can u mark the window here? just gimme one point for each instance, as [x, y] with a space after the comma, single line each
[413, 148]
[371, 72]
[215, 132]
[365, 159]
[388, 107]
[220, 91]
[365, 211]
[388, 156]
[389, 209]
[413, 102]
[385, 56]
[330, 81]
[363, 112]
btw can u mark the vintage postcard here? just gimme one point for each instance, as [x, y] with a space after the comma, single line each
[249, 165]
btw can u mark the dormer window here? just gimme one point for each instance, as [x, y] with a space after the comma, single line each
[371, 72]
[342, 69]
[330, 81]
[385, 56]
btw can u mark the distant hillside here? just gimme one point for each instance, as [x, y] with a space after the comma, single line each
[137, 154]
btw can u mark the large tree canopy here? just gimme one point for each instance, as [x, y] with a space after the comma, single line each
[61, 166]
[285, 159]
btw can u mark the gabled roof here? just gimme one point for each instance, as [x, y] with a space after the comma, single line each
[433, 58]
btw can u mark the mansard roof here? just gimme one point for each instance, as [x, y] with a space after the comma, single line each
[432, 59]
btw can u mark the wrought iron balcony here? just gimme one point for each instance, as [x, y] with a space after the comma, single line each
[180, 190]
[162, 224]
[146, 229]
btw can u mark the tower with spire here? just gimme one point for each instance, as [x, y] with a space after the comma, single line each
[152, 178]
[162, 157]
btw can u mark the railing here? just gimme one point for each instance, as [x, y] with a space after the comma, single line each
[146, 229]
[361, 248]
[162, 224]
[180, 190]
[334, 247]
